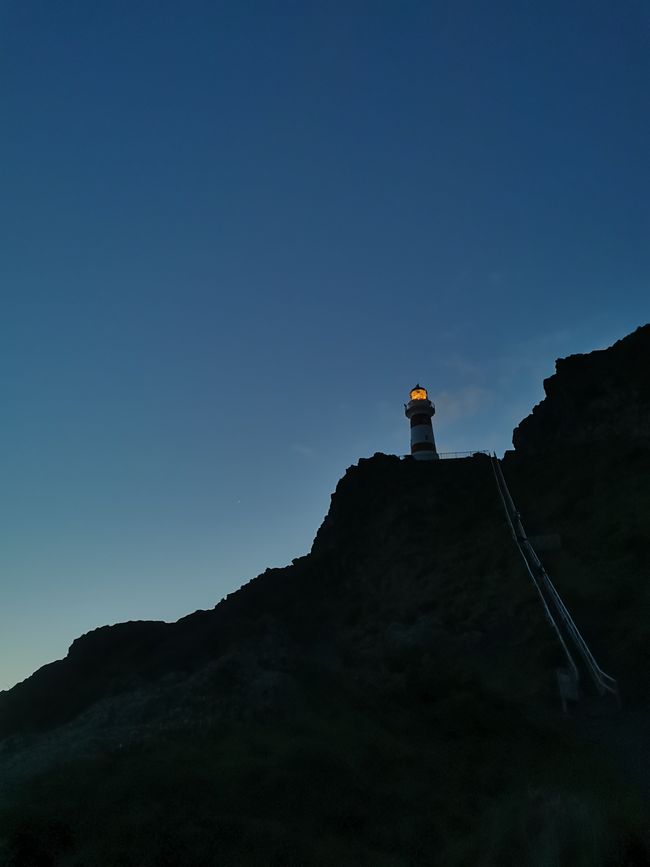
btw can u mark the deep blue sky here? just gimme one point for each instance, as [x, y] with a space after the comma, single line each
[234, 234]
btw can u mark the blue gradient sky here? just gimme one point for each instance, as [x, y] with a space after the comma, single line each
[234, 234]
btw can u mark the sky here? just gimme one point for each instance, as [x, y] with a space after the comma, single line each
[235, 234]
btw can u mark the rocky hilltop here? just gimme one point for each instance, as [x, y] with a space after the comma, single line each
[374, 700]
[397, 569]
[603, 397]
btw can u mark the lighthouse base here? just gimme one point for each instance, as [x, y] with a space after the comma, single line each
[425, 456]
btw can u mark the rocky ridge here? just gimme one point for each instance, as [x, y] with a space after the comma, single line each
[599, 397]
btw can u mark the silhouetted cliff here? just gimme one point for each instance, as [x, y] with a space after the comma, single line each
[374, 700]
[602, 397]
[404, 559]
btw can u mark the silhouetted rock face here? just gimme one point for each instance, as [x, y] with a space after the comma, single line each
[411, 565]
[407, 571]
[603, 396]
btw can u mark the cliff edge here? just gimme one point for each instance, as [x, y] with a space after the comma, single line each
[599, 397]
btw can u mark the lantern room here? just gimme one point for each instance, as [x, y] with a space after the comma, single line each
[418, 393]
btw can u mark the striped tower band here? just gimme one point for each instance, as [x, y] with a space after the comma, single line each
[419, 411]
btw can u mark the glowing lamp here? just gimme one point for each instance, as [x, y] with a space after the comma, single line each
[418, 393]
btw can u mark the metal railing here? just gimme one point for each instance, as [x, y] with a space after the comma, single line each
[446, 456]
[515, 529]
[604, 682]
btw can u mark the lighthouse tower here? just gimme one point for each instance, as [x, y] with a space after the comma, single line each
[419, 410]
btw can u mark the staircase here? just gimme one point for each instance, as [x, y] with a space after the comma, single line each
[580, 665]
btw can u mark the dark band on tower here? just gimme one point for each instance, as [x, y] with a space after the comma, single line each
[419, 410]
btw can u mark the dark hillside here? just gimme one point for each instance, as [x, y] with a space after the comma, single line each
[389, 699]
[412, 558]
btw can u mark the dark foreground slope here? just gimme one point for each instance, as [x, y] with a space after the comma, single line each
[387, 700]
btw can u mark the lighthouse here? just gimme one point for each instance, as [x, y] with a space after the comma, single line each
[419, 411]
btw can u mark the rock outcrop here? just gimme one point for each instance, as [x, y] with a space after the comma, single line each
[600, 397]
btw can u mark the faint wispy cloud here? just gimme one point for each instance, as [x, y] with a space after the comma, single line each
[303, 449]
[465, 368]
[463, 403]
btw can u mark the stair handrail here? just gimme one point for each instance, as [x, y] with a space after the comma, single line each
[604, 681]
[572, 665]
